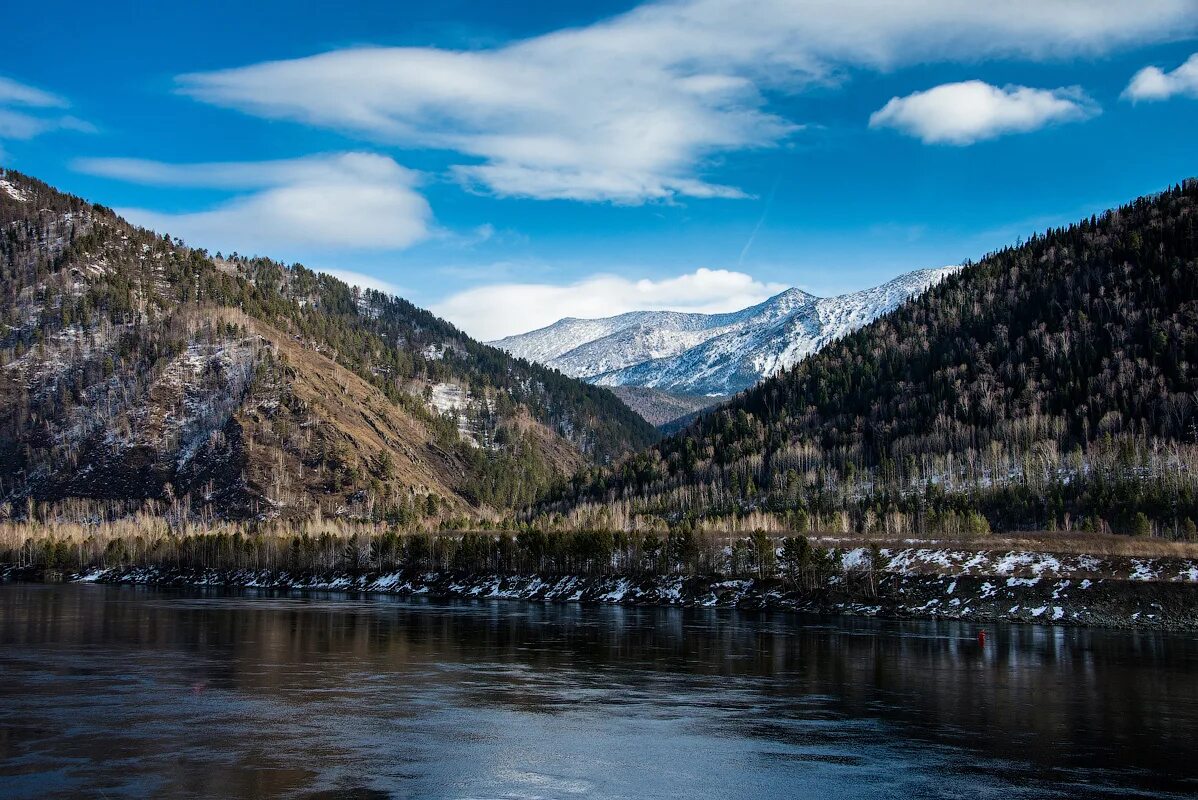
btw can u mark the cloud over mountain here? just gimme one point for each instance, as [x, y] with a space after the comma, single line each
[344, 200]
[634, 108]
[490, 312]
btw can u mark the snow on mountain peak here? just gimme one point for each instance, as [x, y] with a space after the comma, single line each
[713, 354]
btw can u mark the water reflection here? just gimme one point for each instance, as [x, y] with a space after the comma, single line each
[127, 691]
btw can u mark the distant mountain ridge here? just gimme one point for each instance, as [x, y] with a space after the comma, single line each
[711, 354]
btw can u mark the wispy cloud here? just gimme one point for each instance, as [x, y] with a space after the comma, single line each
[492, 312]
[345, 200]
[1153, 83]
[971, 111]
[26, 112]
[765, 212]
[18, 94]
[631, 109]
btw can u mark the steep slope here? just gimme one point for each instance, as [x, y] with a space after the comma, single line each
[1050, 385]
[710, 354]
[137, 373]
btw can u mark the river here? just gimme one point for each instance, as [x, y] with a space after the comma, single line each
[111, 691]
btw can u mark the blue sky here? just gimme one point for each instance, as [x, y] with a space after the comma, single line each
[509, 164]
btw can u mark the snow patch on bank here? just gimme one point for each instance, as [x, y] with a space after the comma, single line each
[1023, 565]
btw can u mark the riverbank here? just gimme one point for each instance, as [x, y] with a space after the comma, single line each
[974, 585]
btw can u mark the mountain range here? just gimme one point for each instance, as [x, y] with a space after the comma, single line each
[710, 354]
[1049, 385]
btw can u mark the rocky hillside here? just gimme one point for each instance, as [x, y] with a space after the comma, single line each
[137, 373]
[1052, 385]
[711, 354]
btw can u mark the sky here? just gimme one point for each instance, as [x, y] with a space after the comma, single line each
[506, 165]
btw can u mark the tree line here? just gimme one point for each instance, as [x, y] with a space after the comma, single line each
[683, 552]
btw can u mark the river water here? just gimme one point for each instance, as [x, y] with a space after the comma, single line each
[132, 692]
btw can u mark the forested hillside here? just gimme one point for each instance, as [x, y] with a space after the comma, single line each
[1051, 385]
[663, 409]
[137, 373]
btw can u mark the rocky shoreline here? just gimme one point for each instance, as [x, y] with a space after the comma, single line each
[1140, 600]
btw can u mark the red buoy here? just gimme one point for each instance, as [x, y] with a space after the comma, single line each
[981, 638]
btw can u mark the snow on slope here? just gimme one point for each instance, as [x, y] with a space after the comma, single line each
[12, 191]
[578, 347]
[713, 354]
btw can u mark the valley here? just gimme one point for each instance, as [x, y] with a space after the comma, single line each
[662, 400]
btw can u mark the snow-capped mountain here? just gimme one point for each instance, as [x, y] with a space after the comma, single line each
[712, 354]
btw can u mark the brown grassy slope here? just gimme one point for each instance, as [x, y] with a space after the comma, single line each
[332, 411]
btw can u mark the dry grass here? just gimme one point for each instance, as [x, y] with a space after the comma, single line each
[1108, 544]
[14, 534]
[361, 418]
[148, 527]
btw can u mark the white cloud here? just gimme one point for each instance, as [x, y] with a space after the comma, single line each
[1152, 83]
[365, 281]
[25, 112]
[19, 125]
[346, 200]
[970, 111]
[631, 108]
[18, 94]
[492, 312]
